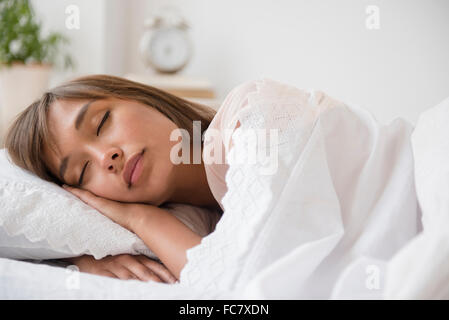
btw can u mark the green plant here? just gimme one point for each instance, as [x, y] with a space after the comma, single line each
[21, 38]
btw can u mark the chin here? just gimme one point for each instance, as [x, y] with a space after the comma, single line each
[160, 186]
[154, 202]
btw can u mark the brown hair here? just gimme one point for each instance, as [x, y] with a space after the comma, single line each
[27, 134]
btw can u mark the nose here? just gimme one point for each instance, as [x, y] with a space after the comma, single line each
[112, 160]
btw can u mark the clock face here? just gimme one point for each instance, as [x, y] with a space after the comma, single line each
[169, 49]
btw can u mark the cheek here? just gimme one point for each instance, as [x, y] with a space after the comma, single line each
[118, 194]
[131, 128]
[159, 136]
[106, 190]
[160, 174]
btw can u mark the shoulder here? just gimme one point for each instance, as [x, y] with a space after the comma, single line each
[234, 101]
[227, 117]
[240, 91]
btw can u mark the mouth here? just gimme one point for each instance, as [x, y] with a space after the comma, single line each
[133, 168]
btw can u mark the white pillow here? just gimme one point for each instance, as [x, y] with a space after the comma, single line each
[40, 220]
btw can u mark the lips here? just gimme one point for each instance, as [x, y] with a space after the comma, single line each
[130, 166]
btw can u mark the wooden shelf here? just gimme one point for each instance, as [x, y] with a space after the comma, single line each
[182, 86]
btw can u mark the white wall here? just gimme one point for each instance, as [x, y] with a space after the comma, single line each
[87, 43]
[399, 70]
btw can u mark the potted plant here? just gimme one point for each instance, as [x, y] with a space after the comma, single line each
[26, 58]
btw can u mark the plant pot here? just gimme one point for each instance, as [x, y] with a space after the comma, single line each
[20, 85]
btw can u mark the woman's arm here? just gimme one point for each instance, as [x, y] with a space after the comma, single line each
[162, 232]
[165, 235]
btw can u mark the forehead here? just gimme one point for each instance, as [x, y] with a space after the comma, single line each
[62, 134]
[62, 111]
[61, 116]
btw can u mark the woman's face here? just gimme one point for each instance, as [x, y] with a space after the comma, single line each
[130, 128]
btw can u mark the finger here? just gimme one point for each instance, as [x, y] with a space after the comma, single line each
[136, 267]
[159, 269]
[142, 272]
[155, 278]
[106, 273]
[89, 198]
[114, 210]
[123, 273]
[146, 275]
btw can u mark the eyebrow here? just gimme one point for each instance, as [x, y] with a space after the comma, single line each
[78, 121]
[81, 114]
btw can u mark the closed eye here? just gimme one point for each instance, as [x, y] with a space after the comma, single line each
[80, 182]
[106, 115]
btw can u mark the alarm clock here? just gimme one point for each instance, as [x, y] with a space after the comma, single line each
[165, 45]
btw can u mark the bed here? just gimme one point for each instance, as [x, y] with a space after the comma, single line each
[316, 228]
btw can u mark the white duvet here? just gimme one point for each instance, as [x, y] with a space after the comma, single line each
[339, 218]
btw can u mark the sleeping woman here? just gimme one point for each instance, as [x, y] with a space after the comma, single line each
[108, 141]
[116, 144]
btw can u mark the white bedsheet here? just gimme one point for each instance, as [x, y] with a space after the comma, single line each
[340, 205]
[26, 280]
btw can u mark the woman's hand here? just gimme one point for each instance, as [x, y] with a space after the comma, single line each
[125, 214]
[125, 266]
[162, 232]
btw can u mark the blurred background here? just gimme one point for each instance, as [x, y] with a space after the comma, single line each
[390, 57]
